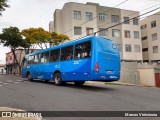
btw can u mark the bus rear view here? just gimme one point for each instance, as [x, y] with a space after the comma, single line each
[88, 59]
[106, 63]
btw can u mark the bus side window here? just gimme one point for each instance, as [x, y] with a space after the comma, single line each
[31, 59]
[37, 58]
[67, 53]
[83, 50]
[45, 57]
[54, 55]
[25, 62]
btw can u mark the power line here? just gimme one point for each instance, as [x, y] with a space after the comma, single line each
[124, 21]
[129, 19]
[46, 13]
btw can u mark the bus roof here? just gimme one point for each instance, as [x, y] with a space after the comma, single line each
[68, 44]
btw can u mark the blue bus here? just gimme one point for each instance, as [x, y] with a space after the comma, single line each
[88, 59]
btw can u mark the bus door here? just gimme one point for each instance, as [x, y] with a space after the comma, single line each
[82, 61]
[35, 66]
[66, 65]
[44, 66]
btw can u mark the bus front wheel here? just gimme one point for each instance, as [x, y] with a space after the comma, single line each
[79, 83]
[57, 79]
[29, 77]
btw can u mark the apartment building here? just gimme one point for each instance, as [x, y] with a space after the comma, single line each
[78, 20]
[150, 32]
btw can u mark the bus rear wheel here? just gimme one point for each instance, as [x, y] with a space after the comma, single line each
[79, 83]
[57, 79]
[29, 77]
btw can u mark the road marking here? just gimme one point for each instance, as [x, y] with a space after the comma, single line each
[1, 82]
[5, 83]
[97, 93]
[9, 81]
[16, 82]
[26, 81]
[19, 80]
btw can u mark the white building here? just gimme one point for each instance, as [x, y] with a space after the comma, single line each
[150, 28]
[78, 20]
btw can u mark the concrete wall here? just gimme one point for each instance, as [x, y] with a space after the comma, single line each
[147, 74]
[147, 77]
[129, 73]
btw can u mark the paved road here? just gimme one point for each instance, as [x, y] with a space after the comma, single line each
[19, 93]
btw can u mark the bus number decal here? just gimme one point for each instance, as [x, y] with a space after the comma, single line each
[57, 66]
[76, 62]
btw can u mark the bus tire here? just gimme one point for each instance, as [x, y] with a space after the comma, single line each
[57, 79]
[79, 83]
[29, 77]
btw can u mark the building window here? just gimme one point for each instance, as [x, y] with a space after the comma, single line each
[10, 57]
[115, 33]
[126, 20]
[153, 24]
[77, 30]
[144, 38]
[155, 49]
[145, 49]
[77, 15]
[136, 34]
[102, 32]
[137, 48]
[135, 21]
[102, 17]
[154, 36]
[89, 16]
[89, 31]
[127, 34]
[128, 48]
[143, 26]
[115, 18]
[120, 47]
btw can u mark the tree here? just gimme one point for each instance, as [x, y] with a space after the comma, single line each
[11, 38]
[36, 36]
[58, 38]
[3, 5]
[40, 37]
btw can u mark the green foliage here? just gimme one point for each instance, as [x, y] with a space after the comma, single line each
[11, 37]
[58, 38]
[36, 36]
[3, 5]
[40, 36]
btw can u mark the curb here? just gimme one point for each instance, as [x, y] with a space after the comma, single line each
[112, 83]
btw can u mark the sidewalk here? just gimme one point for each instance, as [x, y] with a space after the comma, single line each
[111, 83]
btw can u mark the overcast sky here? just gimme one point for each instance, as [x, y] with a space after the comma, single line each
[38, 13]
